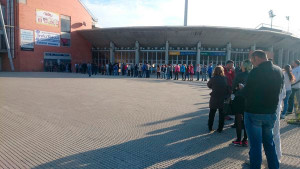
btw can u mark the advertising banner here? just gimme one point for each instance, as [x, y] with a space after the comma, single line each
[27, 42]
[47, 18]
[221, 53]
[172, 53]
[47, 38]
[188, 53]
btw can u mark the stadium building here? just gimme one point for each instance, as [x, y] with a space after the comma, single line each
[43, 32]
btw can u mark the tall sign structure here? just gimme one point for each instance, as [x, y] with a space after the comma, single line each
[186, 12]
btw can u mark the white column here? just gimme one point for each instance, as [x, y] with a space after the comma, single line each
[253, 47]
[280, 57]
[167, 53]
[137, 52]
[112, 52]
[228, 56]
[198, 53]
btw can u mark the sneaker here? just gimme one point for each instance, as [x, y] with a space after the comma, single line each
[237, 143]
[233, 126]
[282, 116]
[245, 143]
[228, 118]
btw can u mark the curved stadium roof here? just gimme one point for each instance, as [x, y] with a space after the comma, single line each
[190, 36]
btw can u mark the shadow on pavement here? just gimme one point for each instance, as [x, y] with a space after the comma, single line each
[185, 145]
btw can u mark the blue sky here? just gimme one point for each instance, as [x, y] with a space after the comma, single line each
[232, 13]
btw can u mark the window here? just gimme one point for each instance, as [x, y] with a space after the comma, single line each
[65, 39]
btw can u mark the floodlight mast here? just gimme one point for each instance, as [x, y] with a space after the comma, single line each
[271, 15]
[186, 12]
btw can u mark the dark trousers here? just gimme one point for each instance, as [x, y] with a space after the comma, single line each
[292, 100]
[176, 76]
[239, 121]
[212, 113]
[171, 75]
[182, 74]
[158, 75]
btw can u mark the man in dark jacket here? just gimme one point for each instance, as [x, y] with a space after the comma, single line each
[261, 92]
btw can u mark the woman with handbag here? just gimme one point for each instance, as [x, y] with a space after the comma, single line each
[238, 103]
[220, 91]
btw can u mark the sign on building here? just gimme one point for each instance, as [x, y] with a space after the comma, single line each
[27, 42]
[47, 38]
[47, 18]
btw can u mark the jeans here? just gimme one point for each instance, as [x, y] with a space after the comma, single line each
[209, 75]
[182, 74]
[204, 77]
[187, 75]
[198, 76]
[260, 131]
[285, 102]
[292, 99]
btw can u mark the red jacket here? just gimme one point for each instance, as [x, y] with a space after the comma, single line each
[230, 76]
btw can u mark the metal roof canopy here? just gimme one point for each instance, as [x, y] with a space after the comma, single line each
[189, 37]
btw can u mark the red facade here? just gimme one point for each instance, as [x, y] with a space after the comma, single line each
[26, 19]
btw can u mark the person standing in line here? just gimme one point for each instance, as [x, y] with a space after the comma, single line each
[204, 73]
[171, 71]
[89, 69]
[107, 69]
[210, 70]
[148, 67]
[295, 87]
[261, 93]
[276, 130]
[187, 72]
[219, 86]
[198, 69]
[238, 103]
[140, 70]
[230, 74]
[192, 72]
[182, 70]
[177, 70]
[168, 69]
[128, 70]
[289, 78]
[162, 71]
[158, 71]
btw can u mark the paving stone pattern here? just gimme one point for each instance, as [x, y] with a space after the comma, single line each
[64, 120]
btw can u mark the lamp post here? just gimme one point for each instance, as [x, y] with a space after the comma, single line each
[288, 19]
[271, 15]
[186, 12]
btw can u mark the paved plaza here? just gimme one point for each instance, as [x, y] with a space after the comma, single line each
[64, 120]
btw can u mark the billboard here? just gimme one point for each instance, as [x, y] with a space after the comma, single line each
[27, 40]
[47, 38]
[47, 18]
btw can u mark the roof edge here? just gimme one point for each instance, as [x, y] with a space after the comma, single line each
[90, 13]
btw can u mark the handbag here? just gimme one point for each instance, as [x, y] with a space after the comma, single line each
[228, 107]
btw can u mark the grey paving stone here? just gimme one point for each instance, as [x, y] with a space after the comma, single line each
[64, 120]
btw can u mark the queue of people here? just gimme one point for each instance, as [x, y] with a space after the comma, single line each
[145, 70]
[257, 93]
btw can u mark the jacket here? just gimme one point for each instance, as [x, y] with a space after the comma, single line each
[262, 89]
[182, 68]
[220, 92]
[296, 73]
[238, 104]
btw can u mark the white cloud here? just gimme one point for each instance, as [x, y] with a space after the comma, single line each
[232, 13]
